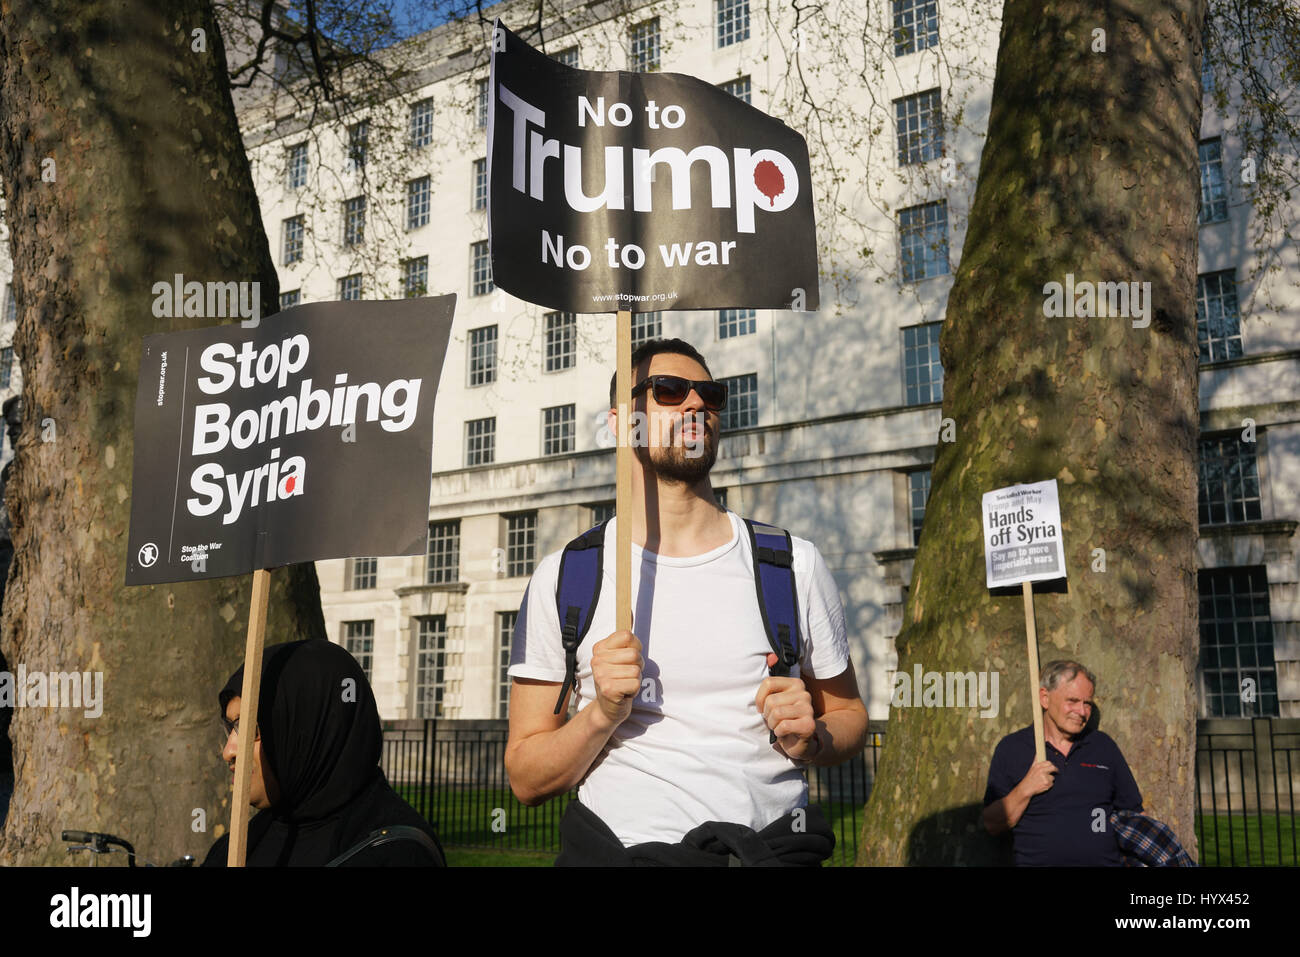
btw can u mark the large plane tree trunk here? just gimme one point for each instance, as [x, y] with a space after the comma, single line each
[1090, 168]
[123, 165]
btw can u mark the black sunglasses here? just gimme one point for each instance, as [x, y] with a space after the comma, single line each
[673, 390]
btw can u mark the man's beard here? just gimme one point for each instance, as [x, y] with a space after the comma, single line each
[685, 462]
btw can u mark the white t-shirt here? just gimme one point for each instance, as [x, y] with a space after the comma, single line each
[694, 748]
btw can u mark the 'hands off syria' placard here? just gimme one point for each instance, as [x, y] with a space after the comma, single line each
[642, 191]
[307, 437]
[1022, 534]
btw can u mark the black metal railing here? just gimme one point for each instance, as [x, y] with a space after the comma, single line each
[453, 772]
[1247, 777]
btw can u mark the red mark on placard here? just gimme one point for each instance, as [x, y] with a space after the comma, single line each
[768, 179]
[289, 483]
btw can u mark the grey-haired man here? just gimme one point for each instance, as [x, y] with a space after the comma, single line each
[1058, 810]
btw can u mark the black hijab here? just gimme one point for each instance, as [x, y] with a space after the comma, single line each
[321, 741]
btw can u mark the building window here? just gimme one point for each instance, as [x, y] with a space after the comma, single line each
[11, 304]
[918, 493]
[481, 110]
[442, 559]
[358, 143]
[922, 370]
[298, 166]
[480, 184]
[916, 25]
[505, 632]
[561, 341]
[6, 366]
[1218, 319]
[293, 230]
[1236, 643]
[430, 666]
[736, 322]
[363, 573]
[601, 512]
[291, 298]
[350, 287]
[741, 410]
[739, 88]
[646, 326]
[481, 269]
[1214, 191]
[354, 221]
[359, 640]
[923, 238]
[733, 21]
[643, 42]
[521, 544]
[422, 123]
[568, 56]
[415, 277]
[483, 355]
[480, 441]
[919, 127]
[558, 426]
[417, 203]
[1229, 481]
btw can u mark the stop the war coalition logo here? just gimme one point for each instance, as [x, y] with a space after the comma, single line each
[309, 437]
[642, 191]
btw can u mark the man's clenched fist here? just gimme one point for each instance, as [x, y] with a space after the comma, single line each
[616, 665]
[1041, 777]
[787, 709]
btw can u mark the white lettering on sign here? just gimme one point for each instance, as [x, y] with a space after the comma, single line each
[763, 179]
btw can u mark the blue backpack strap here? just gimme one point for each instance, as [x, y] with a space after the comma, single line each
[777, 599]
[577, 590]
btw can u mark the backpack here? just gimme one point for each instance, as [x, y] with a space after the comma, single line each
[581, 571]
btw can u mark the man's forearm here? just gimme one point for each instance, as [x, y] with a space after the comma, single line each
[842, 734]
[549, 763]
[1004, 814]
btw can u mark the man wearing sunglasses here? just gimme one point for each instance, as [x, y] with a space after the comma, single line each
[672, 742]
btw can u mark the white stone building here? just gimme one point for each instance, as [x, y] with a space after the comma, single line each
[835, 415]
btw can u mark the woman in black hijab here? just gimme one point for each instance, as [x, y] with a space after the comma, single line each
[320, 744]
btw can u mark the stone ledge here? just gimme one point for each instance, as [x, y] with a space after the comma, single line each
[456, 587]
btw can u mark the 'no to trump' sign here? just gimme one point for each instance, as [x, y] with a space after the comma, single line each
[642, 191]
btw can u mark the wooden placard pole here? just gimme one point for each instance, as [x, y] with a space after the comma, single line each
[238, 848]
[623, 477]
[1031, 637]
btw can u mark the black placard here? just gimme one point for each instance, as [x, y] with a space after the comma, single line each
[307, 437]
[642, 191]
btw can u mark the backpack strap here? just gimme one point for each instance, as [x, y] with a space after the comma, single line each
[777, 599]
[577, 590]
[388, 835]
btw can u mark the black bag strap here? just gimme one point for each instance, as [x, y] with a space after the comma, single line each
[577, 589]
[390, 835]
[777, 599]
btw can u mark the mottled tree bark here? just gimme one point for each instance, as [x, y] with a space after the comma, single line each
[1090, 168]
[123, 165]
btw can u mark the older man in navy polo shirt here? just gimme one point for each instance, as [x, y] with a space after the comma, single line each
[1058, 810]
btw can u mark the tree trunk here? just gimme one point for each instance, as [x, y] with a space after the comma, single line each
[123, 165]
[1090, 168]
